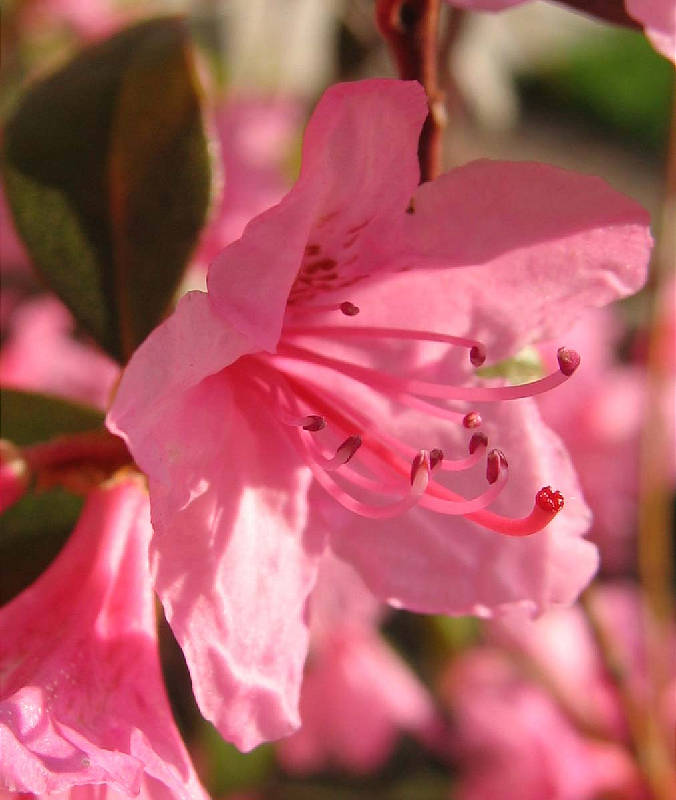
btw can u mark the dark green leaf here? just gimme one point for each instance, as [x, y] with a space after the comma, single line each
[107, 173]
[26, 418]
[32, 532]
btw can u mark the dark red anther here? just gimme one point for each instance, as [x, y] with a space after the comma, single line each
[436, 457]
[314, 423]
[472, 420]
[549, 500]
[478, 440]
[349, 309]
[569, 360]
[420, 460]
[477, 355]
[495, 461]
[348, 448]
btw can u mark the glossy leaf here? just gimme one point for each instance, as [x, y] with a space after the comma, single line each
[27, 418]
[107, 173]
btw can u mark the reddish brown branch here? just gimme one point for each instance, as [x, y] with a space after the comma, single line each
[410, 28]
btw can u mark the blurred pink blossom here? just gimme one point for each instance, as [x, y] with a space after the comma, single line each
[41, 354]
[89, 19]
[223, 404]
[82, 698]
[658, 18]
[542, 718]
[357, 694]
[513, 741]
[600, 422]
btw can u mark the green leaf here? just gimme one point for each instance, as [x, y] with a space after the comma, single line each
[27, 418]
[107, 173]
[32, 532]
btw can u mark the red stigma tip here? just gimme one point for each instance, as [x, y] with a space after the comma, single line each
[549, 500]
[478, 440]
[477, 355]
[314, 423]
[472, 420]
[349, 309]
[569, 360]
[494, 463]
[436, 457]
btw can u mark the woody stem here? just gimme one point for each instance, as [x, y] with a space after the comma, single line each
[411, 29]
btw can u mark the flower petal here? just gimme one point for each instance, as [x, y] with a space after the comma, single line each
[233, 569]
[359, 165]
[539, 239]
[188, 346]
[82, 698]
[431, 563]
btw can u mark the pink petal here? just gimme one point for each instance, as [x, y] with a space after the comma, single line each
[190, 345]
[357, 696]
[82, 697]
[41, 354]
[542, 240]
[232, 566]
[431, 563]
[658, 18]
[359, 165]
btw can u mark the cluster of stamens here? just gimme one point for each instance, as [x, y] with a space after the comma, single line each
[306, 406]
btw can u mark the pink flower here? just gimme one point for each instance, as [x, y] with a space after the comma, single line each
[542, 719]
[223, 406]
[514, 742]
[252, 135]
[600, 421]
[41, 354]
[658, 18]
[82, 700]
[357, 692]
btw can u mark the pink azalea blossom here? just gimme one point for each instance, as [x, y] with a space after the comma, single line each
[41, 354]
[513, 742]
[252, 135]
[658, 18]
[224, 405]
[82, 700]
[357, 692]
[600, 421]
[542, 719]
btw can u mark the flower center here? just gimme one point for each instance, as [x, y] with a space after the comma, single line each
[297, 382]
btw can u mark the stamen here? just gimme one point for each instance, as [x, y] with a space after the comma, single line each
[349, 309]
[378, 379]
[420, 482]
[477, 352]
[494, 463]
[459, 506]
[313, 423]
[472, 420]
[344, 452]
[569, 360]
[346, 307]
[420, 471]
[478, 440]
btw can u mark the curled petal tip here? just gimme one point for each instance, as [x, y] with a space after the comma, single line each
[549, 500]
[569, 360]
